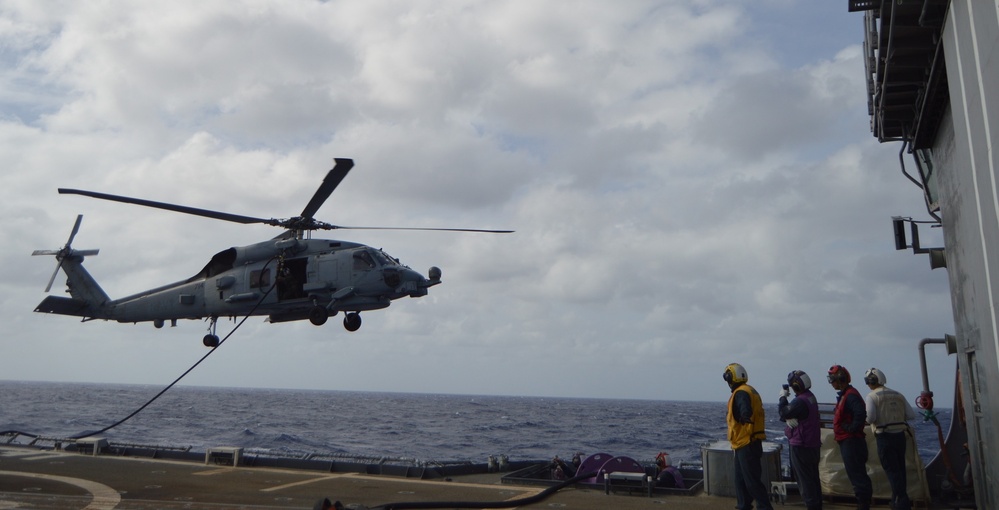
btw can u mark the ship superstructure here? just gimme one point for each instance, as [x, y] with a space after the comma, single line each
[933, 86]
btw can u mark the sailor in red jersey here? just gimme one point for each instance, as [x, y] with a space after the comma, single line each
[848, 427]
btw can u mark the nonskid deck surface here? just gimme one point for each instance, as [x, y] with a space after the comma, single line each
[32, 478]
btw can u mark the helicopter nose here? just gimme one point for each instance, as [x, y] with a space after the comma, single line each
[406, 282]
[415, 284]
[391, 277]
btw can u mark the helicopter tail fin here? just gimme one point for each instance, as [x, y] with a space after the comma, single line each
[87, 299]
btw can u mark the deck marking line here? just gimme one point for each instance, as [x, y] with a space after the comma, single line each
[302, 482]
[213, 472]
[512, 488]
[104, 497]
[527, 494]
[14, 454]
[35, 457]
[525, 491]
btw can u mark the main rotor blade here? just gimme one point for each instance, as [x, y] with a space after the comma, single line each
[330, 182]
[169, 207]
[76, 228]
[428, 229]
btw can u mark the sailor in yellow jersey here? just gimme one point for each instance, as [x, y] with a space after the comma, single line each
[745, 432]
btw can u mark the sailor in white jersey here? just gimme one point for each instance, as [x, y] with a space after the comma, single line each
[888, 414]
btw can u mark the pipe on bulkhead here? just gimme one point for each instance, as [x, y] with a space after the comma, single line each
[925, 400]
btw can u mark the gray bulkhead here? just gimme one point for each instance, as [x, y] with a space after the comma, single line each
[964, 181]
[968, 164]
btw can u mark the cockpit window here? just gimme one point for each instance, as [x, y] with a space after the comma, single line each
[363, 261]
[384, 258]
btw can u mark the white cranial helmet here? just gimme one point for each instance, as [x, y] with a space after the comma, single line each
[875, 376]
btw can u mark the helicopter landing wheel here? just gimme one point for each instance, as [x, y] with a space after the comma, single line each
[352, 321]
[211, 340]
[318, 315]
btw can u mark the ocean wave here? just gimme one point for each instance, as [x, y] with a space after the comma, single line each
[394, 425]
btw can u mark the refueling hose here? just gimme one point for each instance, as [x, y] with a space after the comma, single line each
[325, 504]
[164, 390]
[175, 381]
[171, 385]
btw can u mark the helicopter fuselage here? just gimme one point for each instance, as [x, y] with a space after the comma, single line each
[288, 278]
[284, 279]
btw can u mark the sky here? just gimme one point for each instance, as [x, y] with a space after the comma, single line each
[692, 183]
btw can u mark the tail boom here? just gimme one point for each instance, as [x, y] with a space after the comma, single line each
[88, 299]
[67, 306]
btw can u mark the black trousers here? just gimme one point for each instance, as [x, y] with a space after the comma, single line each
[805, 463]
[854, 453]
[891, 452]
[749, 478]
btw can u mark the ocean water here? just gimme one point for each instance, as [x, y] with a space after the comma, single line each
[417, 427]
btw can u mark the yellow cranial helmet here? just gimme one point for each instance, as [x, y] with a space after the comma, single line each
[735, 374]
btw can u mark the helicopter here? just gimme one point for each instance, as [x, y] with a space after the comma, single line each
[290, 277]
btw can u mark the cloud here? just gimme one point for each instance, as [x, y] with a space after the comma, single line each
[688, 185]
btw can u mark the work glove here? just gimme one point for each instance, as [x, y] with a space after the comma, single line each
[792, 422]
[784, 393]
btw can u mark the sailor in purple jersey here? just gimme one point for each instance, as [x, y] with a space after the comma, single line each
[801, 416]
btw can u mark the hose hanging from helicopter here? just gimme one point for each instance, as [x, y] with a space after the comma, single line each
[189, 370]
[172, 384]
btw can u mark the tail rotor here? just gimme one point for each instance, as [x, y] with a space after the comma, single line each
[65, 252]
